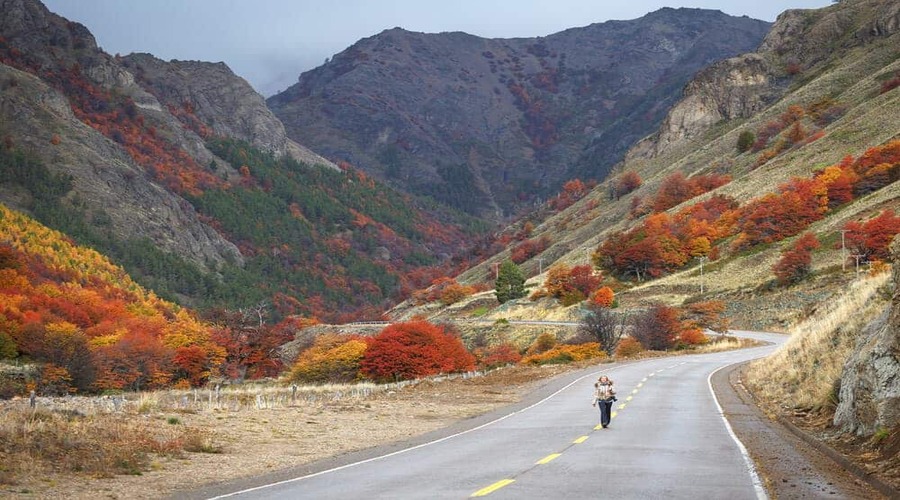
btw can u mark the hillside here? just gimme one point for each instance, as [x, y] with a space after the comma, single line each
[843, 105]
[492, 125]
[179, 172]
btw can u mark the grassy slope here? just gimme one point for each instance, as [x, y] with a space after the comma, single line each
[852, 78]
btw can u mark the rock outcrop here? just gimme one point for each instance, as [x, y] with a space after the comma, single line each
[221, 100]
[491, 125]
[870, 385]
[799, 42]
[105, 179]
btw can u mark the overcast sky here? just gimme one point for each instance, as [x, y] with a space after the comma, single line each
[270, 42]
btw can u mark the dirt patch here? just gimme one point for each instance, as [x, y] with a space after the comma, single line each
[254, 442]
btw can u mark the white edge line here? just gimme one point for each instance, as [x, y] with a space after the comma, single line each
[398, 452]
[751, 468]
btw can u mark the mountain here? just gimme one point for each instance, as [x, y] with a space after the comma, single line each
[819, 94]
[491, 125]
[179, 172]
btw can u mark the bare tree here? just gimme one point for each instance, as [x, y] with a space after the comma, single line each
[602, 325]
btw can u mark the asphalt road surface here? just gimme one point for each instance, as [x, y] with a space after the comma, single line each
[668, 439]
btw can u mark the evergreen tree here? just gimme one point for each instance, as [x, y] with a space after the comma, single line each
[510, 282]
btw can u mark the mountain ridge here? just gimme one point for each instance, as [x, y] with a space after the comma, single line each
[513, 118]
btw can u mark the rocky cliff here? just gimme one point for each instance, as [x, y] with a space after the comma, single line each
[222, 101]
[799, 46]
[869, 397]
[107, 183]
[490, 125]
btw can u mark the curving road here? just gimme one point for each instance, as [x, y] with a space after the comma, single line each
[668, 439]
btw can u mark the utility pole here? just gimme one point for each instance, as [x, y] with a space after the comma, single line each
[857, 257]
[702, 260]
[843, 250]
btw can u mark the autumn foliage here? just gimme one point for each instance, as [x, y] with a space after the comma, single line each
[795, 263]
[571, 284]
[528, 249]
[603, 297]
[871, 239]
[412, 350]
[331, 358]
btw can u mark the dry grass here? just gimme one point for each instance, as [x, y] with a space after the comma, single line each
[719, 344]
[802, 373]
[39, 441]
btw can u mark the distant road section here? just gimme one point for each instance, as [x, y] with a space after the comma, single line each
[668, 439]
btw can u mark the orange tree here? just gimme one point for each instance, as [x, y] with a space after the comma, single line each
[414, 349]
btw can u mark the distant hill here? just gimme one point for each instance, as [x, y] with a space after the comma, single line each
[179, 172]
[492, 125]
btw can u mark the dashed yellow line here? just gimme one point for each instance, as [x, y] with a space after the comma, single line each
[629, 398]
[613, 414]
[581, 440]
[548, 459]
[492, 488]
[622, 406]
[634, 391]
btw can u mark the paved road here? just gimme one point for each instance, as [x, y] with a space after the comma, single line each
[667, 440]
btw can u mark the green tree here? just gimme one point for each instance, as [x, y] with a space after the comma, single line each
[745, 141]
[510, 282]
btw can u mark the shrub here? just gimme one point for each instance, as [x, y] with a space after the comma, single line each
[693, 336]
[455, 292]
[499, 355]
[543, 343]
[601, 325]
[603, 297]
[332, 358]
[414, 349]
[657, 328]
[629, 346]
[565, 353]
[745, 141]
[528, 249]
[626, 183]
[795, 262]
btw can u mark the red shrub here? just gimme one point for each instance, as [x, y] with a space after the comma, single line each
[795, 262]
[414, 349]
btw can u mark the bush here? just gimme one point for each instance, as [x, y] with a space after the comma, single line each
[745, 141]
[629, 346]
[499, 355]
[657, 328]
[693, 336]
[543, 343]
[565, 353]
[603, 297]
[796, 261]
[332, 358]
[412, 350]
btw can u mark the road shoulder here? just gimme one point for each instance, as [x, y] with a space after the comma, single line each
[789, 466]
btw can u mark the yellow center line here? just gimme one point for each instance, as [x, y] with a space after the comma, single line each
[622, 406]
[580, 440]
[613, 414]
[629, 398]
[598, 427]
[642, 381]
[548, 459]
[492, 488]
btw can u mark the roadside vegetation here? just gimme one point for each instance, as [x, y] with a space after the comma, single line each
[803, 374]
